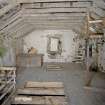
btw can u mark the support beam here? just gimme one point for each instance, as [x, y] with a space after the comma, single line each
[96, 21]
[27, 32]
[22, 31]
[41, 1]
[53, 27]
[98, 11]
[54, 17]
[11, 27]
[52, 21]
[57, 4]
[6, 9]
[55, 10]
[11, 20]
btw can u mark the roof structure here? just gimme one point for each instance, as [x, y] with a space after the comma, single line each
[19, 17]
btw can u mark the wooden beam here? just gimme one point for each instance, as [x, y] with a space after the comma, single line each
[36, 21]
[54, 17]
[11, 20]
[16, 30]
[31, 84]
[95, 15]
[39, 100]
[13, 24]
[41, 1]
[27, 32]
[58, 4]
[98, 11]
[95, 21]
[55, 10]
[6, 9]
[56, 23]
[22, 31]
[53, 27]
[41, 91]
[95, 89]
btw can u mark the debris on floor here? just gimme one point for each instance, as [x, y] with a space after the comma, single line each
[41, 93]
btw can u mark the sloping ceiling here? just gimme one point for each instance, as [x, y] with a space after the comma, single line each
[22, 16]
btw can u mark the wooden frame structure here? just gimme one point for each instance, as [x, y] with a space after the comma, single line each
[90, 74]
[7, 84]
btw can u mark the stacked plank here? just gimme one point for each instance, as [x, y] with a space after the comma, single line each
[41, 93]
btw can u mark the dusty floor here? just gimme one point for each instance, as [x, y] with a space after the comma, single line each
[72, 76]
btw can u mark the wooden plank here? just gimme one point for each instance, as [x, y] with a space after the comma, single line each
[54, 67]
[15, 22]
[9, 98]
[96, 21]
[94, 89]
[23, 31]
[6, 9]
[31, 84]
[55, 100]
[33, 1]
[53, 17]
[52, 27]
[29, 100]
[40, 100]
[10, 20]
[56, 10]
[36, 21]
[52, 5]
[54, 24]
[8, 68]
[56, 15]
[41, 91]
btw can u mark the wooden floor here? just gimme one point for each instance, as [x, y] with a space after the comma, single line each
[72, 76]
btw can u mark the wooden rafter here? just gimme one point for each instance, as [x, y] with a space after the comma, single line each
[41, 1]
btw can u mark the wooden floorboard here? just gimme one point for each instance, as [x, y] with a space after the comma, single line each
[31, 84]
[40, 100]
[42, 91]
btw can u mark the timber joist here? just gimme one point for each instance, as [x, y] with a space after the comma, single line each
[9, 10]
[55, 10]
[50, 1]
[56, 5]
